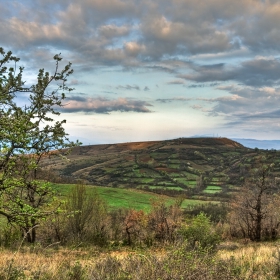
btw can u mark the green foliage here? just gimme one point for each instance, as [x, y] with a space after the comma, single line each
[200, 233]
[28, 133]
[9, 235]
[87, 215]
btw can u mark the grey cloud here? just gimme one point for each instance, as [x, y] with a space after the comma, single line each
[113, 30]
[168, 100]
[160, 30]
[248, 106]
[202, 85]
[128, 87]
[71, 29]
[196, 86]
[163, 68]
[98, 12]
[134, 33]
[260, 30]
[254, 23]
[99, 29]
[190, 28]
[74, 82]
[109, 92]
[261, 71]
[131, 87]
[104, 106]
[77, 98]
[197, 107]
[176, 82]
[269, 114]
[209, 73]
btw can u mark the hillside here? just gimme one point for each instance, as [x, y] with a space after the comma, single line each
[203, 168]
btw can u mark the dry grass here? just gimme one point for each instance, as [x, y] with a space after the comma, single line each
[237, 261]
[88, 263]
[255, 260]
[47, 262]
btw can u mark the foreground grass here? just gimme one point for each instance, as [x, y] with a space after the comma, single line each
[257, 261]
[254, 261]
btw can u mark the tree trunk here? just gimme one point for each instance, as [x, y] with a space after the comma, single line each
[258, 227]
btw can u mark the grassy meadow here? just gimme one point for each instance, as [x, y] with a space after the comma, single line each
[127, 198]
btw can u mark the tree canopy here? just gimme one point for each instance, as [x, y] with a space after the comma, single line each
[28, 132]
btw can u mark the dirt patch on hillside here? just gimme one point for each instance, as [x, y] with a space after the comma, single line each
[137, 145]
[129, 158]
[145, 159]
[166, 169]
[209, 142]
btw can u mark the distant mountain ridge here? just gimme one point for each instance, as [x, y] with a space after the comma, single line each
[260, 144]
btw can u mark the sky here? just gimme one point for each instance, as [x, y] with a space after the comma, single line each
[155, 69]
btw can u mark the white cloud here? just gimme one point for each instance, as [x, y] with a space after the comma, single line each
[103, 105]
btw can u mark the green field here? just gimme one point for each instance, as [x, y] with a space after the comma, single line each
[146, 180]
[127, 198]
[181, 180]
[171, 187]
[212, 189]
[189, 182]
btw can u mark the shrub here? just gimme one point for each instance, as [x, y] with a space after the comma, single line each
[10, 235]
[200, 233]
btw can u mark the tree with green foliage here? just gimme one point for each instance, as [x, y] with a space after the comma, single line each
[28, 133]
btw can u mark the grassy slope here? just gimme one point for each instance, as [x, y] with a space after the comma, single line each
[127, 198]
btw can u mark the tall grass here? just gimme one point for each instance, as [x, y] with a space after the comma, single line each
[236, 261]
[176, 263]
[255, 260]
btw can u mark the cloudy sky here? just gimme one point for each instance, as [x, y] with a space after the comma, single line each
[156, 69]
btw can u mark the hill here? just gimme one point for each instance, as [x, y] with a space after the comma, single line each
[201, 168]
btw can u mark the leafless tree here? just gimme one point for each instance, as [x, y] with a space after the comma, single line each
[253, 211]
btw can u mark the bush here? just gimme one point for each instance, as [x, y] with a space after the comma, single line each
[200, 233]
[10, 235]
[83, 218]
